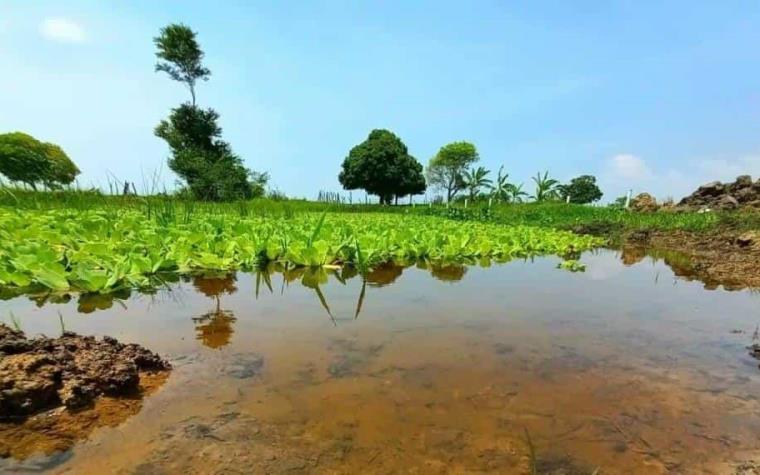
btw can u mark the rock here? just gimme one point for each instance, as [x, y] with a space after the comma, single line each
[714, 188]
[745, 195]
[717, 196]
[726, 202]
[71, 370]
[743, 181]
[643, 203]
[750, 238]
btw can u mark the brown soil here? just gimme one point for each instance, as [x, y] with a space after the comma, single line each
[59, 429]
[56, 391]
[724, 257]
[72, 370]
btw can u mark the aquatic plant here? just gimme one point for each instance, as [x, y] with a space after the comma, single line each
[106, 250]
[572, 265]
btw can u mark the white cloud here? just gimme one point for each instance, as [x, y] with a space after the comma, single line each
[628, 167]
[63, 30]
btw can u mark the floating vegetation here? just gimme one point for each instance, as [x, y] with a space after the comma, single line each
[106, 250]
[572, 265]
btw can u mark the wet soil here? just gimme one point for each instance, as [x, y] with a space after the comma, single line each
[722, 258]
[57, 430]
[71, 371]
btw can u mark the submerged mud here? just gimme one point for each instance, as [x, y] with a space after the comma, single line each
[71, 371]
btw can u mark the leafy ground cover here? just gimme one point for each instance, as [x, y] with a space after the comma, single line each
[103, 250]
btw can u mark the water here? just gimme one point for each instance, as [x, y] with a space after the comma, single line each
[625, 368]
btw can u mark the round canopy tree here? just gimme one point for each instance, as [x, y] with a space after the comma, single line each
[23, 158]
[382, 166]
[446, 168]
[581, 190]
[62, 170]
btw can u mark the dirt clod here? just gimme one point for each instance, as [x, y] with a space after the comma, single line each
[72, 370]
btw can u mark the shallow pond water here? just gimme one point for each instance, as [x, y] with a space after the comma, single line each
[625, 368]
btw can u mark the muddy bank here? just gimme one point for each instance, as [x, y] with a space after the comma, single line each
[42, 440]
[72, 371]
[720, 258]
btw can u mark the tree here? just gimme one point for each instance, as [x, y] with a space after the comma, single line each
[500, 187]
[199, 156]
[180, 56]
[474, 180]
[581, 190]
[23, 158]
[447, 166]
[546, 188]
[516, 193]
[412, 178]
[382, 166]
[203, 160]
[62, 170]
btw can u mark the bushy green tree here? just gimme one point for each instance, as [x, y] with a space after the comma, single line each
[62, 170]
[446, 168]
[25, 159]
[581, 190]
[199, 156]
[202, 159]
[382, 166]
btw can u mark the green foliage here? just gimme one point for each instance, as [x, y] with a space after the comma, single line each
[382, 166]
[474, 180]
[103, 251]
[24, 158]
[204, 161]
[200, 157]
[546, 188]
[446, 168]
[180, 56]
[572, 265]
[581, 190]
[62, 170]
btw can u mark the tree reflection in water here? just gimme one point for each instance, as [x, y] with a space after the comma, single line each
[215, 328]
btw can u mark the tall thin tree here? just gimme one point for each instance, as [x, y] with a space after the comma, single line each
[180, 56]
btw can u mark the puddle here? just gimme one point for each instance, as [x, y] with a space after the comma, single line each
[628, 367]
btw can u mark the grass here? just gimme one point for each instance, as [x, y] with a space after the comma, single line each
[599, 220]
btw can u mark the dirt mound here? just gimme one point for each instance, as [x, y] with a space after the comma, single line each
[72, 370]
[724, 196]
[644, 203]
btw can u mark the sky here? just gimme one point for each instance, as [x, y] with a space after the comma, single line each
[649, 96]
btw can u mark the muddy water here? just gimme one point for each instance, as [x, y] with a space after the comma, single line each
[625, 368]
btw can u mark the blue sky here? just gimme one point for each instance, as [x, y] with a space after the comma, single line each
[654, 96]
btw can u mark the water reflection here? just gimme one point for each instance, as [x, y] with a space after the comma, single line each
[215, 328]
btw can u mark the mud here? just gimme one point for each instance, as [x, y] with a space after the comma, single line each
[723, 258]
[58, 430]
[71, 371]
